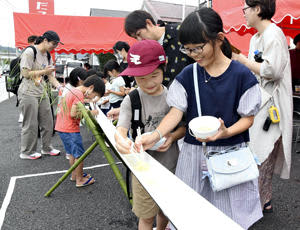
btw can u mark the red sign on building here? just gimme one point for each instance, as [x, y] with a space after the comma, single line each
[41, 6]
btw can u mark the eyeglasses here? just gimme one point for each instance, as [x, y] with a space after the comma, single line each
[197, 50]
[244, 9]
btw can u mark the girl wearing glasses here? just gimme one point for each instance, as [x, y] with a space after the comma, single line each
[229, 91]
[273, 72]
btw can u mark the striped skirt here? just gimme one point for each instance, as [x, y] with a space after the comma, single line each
[241, 203]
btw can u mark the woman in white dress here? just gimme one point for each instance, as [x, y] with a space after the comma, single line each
[273, 71]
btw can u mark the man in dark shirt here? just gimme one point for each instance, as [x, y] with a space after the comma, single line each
[121, 49]
[140, 25]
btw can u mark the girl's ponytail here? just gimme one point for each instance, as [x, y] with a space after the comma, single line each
[226, 48]
[39, 40]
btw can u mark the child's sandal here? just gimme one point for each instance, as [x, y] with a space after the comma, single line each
[84, 175]
[90, 181]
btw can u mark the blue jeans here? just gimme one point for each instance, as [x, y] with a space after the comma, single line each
[72, 143]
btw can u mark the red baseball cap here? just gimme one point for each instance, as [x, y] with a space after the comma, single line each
[143, 58]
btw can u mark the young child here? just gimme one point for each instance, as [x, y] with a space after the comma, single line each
[117, 90]
[77, 76]
[67, 124]
[147, 67]
[103, 103]
[229, 91]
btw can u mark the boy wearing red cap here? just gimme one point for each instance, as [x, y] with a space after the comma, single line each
[146, 63]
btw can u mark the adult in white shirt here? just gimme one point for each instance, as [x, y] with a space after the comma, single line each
[273, 147]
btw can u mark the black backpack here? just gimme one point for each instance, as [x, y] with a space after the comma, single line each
[136, 121]
[13, 80]
[136, 108]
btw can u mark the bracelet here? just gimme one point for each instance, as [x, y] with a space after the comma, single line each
[159, 133]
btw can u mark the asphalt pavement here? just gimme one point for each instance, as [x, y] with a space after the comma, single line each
[102, 205]
[99, 206]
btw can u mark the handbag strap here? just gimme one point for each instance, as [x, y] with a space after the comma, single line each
[260, 83]
[275, 82]
[195, 74]
[272, 95]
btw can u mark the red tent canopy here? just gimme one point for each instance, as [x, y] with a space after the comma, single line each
[79, 34]
[287, 17]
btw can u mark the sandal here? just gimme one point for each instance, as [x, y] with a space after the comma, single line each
[83, 175]
[266, 209]
[87, 183]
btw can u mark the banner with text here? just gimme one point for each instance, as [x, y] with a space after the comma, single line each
[41, 6]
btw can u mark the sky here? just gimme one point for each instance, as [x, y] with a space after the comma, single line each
[65, 7]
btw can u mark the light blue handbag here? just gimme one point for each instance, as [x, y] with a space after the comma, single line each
[231, 166]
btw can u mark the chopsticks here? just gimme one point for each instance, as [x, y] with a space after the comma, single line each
[140, 136]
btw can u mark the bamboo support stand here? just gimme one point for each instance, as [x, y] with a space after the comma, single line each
[100, 140]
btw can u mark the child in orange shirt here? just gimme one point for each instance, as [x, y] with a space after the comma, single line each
[67, 124]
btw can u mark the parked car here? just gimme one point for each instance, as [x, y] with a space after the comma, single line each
[64, 69]
[72, 65]
[59, 73]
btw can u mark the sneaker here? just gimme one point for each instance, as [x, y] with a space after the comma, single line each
[20, 118]
[32, 156]
[52, 152]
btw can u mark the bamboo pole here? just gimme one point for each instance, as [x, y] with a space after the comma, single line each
[100, 138]
[86, 153]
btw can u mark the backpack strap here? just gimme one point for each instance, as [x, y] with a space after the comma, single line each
[48, 57]
[136, 108]
[34, 56]
[34, 52]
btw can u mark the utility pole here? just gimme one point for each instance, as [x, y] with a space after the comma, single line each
[183, 9]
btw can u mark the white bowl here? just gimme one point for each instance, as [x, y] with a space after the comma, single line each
[204, 126]
[157, 144]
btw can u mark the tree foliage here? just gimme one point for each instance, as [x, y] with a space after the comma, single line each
[103, 58]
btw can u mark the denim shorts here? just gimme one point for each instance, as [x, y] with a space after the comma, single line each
[72, 143]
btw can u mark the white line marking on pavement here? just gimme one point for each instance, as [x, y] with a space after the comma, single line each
[3, 94]
[7, 199]
[12, 184]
